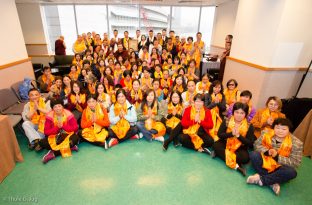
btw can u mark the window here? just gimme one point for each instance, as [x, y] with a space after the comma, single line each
[91, 18]
[185, 21]
[123, 18]
[206, 24]
[155, 18]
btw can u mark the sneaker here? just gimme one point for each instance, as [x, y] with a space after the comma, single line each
[140, 135]
[276, 188]
[254, 179]
[206, 151]
[49, 156]
[165, 145]
[160, 139]
[112, 142]
[241, 170]
[105, 145]
[135, 137]
[74, 148]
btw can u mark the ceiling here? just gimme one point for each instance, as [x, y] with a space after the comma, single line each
[152, 2]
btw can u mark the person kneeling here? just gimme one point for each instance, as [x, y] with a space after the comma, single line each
[277, 154]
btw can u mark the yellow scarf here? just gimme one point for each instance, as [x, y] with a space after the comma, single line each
[203, 88]
[126, 43]
[152, 124]
[44, 79]
[158, 75]
[144, 56]
[216, 119]
[174, 121]
[82, 98]
[38, 119]
[95, 133]
[192, 130]
[268, 162]
[188, 96]
[128, 84]
[63, 147]
[232, 143]
[122, 126]
[91, 87]
[230, 95]
[140, 95]
[147, 82]
[179, 88]
[73, 75]
[117, 73]
[266, 114]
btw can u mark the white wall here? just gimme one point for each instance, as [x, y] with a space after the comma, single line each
[225, 17]
[31, 22]
[11, 37]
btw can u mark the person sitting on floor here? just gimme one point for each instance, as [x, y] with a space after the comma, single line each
[61, 130]
[34, 118]
[277, 154]
[46, 80]
[236, 137]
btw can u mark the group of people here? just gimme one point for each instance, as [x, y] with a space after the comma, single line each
[107, 99]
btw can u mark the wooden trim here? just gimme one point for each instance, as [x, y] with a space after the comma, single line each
[217, 46]
[266, 68]
[15, 63]
[41, 55]
[36, 44]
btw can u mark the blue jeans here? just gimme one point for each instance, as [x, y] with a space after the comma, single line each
[148, 134]
[281, 175]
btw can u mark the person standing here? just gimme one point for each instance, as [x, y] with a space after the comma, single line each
[60, 47]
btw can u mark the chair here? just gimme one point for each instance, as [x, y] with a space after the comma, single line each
[11, 104]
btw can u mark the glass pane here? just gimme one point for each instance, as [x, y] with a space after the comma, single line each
[123, 18]
[91, 18]
[155, 18]
[52, 23]
[68, 28]
[206, 24]
[185, 21]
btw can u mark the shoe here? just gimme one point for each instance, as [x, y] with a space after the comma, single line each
[160, 139]
[254, 179]
[135, 137]
[140, 135]
[206, 151]
[31, 145]
[112, 142]
[49, 156]
[105, 145]
[213, 154]
[74, 148]
[176, 144]
[241, 170]
[276, 188]
[165, 145]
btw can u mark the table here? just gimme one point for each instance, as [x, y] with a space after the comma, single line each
[209, 65]
[10, 152]
[304, 133]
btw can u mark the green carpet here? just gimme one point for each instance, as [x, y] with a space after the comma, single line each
[138, 172]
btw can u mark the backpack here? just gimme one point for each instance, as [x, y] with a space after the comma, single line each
[24, 88]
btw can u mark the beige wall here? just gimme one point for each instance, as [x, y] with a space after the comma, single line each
[15, 73]
[224, 22]
[11, 38]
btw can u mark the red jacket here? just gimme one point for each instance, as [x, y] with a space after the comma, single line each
[186, 121]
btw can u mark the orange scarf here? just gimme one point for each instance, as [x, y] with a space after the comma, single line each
[152, 124]
[73, 75]
[140, 95]
[268, 162]
[179, 88]
[204, 88]
[122, 126]
[232, 143]
[188, 96]
[174, 121]
[192, 130]
[63, 147]
[38, 119]
[147, 82]
[91, 87]
[128, 84]
[230, 96]
[82, 98]
[158, 75]
[216, 119]
[44, 79]
[95, 133]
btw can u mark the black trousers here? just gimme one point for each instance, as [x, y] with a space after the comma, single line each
[242, 155]
[173, 133]
[73, 140]
[131, 132]
[185, 139]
